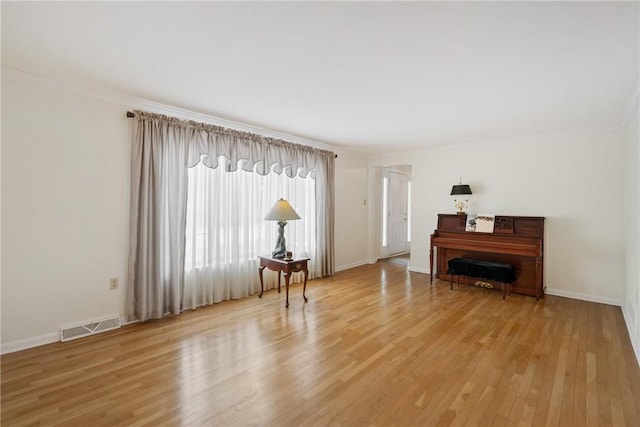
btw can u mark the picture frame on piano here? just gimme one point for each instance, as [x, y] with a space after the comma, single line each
[485, 222]
[471, 222]
[480, 223]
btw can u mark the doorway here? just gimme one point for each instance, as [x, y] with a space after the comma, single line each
[396, 219]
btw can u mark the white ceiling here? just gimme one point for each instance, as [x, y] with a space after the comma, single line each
[372, 76]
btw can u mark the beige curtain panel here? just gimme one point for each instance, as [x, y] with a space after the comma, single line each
[163, 148]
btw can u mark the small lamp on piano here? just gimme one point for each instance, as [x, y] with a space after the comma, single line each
[461, 194]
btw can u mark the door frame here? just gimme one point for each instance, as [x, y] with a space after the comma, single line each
[384, 244]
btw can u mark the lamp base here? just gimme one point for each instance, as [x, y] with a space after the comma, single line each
[280, 250]
[460, 205]
[278, 254]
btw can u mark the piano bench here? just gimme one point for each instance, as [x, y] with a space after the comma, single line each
[500, 272]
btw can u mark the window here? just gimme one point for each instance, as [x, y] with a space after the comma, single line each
[226, 230]
[195, 233]
[385, 210]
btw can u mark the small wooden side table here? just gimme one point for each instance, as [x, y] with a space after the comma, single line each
[286, 266]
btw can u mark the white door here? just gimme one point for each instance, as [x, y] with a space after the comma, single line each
[398, 206]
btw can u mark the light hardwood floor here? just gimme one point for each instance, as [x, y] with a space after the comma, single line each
[374, 346]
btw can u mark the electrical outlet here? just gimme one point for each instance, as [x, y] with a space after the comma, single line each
[113, 283]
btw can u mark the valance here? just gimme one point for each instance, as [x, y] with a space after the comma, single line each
[207, 143]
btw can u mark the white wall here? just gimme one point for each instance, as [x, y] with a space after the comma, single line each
[65, 173]
[351, 209]
[631, 306]
[65, 197]
[575, 181]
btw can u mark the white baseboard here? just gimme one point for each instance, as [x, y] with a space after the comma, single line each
[634, 335]
[125, 322]
[629, 316]
[373, 261]
[27, 343]
[12, 347]
[352, 265]
[419, 270]
[583, 297]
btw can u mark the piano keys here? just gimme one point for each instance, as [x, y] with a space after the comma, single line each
[516, 240]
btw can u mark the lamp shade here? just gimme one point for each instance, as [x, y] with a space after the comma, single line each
[281, 211]
[460, 189]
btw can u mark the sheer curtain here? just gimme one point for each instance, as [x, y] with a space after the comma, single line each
[226, 232]
[163, 151]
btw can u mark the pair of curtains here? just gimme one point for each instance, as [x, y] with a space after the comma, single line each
[163, 150]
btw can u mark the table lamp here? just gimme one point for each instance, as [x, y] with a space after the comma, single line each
[460, 190]
[281, 212]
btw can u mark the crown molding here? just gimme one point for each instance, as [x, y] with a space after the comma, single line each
[132, 102]
[135, 103]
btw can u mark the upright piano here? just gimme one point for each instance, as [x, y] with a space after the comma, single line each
[517, 240]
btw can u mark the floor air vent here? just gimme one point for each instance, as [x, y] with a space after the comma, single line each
[80, 331]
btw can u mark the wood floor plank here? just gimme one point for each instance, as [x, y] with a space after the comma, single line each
[375, 345]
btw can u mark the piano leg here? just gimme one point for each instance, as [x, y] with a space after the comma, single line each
[431, 265]
[506, 290]
[539, 273]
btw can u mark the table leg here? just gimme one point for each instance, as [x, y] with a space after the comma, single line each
[279, 281]
[286, 282]
[304, 289]
[260, 270]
